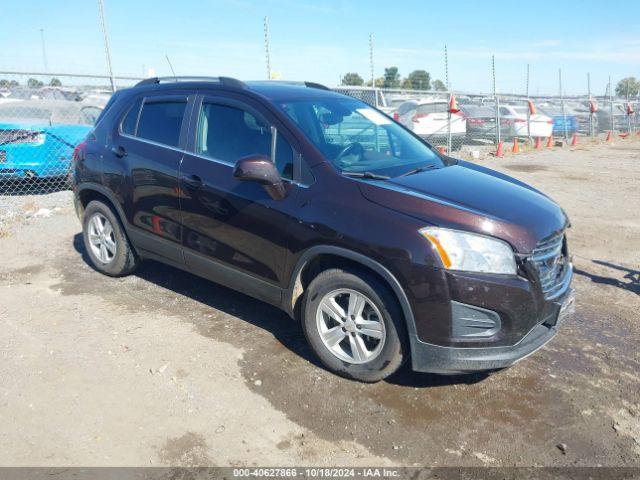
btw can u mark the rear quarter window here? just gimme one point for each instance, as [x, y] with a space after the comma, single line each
[432, 108]
[129, 121]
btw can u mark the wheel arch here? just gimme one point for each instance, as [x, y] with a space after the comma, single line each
[322, 257]
[85, 193]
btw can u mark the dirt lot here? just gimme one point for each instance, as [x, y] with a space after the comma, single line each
[162, 368]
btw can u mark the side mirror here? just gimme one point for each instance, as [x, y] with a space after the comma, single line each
[260, 169]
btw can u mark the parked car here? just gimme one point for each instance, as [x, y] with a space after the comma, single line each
[386, 252]
[373, 96]
[565, 121]
[428, 118]
[513, 118]
[481, 122]
[37, 138]
[583, 115]
[604, 115]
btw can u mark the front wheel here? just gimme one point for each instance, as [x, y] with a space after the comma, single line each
[354, 325]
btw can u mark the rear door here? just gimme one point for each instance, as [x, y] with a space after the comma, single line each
[148, 145]
[234, 233]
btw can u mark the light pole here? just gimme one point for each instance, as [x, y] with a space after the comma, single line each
[267, 51]
[103, 23]
[44, 51]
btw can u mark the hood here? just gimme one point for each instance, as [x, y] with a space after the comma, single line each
[70, 135]
[473, 198]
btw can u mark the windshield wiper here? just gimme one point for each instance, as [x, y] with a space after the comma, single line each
[369, 175]
[418, 170]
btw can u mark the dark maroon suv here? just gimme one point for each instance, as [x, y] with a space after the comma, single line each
[317, 203]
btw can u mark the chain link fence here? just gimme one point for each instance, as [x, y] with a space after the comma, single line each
[43, 117]
[454, 121]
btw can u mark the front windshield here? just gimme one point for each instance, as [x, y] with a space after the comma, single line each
[355, 138]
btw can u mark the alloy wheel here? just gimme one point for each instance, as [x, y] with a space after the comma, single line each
[102, 239]
[350, 326]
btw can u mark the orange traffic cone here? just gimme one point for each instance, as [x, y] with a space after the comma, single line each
[538, 145]
[609, 136]
[516, 147]
[442, 149]
[574, 140]
[499, 152]
[550, 142]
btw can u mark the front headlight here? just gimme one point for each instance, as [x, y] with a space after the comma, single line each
[470, 252]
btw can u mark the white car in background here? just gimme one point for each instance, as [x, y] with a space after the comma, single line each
[428, 118]
[513, 122]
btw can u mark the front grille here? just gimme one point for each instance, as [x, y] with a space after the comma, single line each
[549, 258]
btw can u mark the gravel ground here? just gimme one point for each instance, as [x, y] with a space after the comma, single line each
[163, 368]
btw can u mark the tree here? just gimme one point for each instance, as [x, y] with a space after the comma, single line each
[4, 83]
[352, 78]
[420, 80]
[379, 82]
[391, 78]
[34, 83]
[439, 86]
[55, 82]
[628, 86]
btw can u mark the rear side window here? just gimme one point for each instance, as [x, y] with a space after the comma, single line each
[130, 120]
[160, 121]
[406, 107]
[432, 108]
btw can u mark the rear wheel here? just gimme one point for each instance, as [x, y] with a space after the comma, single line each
[105, 241]
[354, 325]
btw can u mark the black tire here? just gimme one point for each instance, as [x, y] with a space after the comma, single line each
[124, 260]
[395, 347]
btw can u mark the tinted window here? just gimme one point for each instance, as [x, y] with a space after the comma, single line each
[284, 158]
[406, 107]
[229, 133]
[128, 124]
[161, 122]
[432, 108]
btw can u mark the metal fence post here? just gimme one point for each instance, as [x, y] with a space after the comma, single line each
[496, 100]
[611, 106]
[564, 116]
[591, 113]
[446, 78]
[528, 106]
[627, 108]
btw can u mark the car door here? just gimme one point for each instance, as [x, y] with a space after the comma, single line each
[148, 148]
[234, 233]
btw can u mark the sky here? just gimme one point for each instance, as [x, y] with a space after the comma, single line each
[322, 40]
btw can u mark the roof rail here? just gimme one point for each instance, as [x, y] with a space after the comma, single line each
[227, 81]
[316, 85]
[295, 82]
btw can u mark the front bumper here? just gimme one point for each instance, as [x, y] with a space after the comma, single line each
[455, 360]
